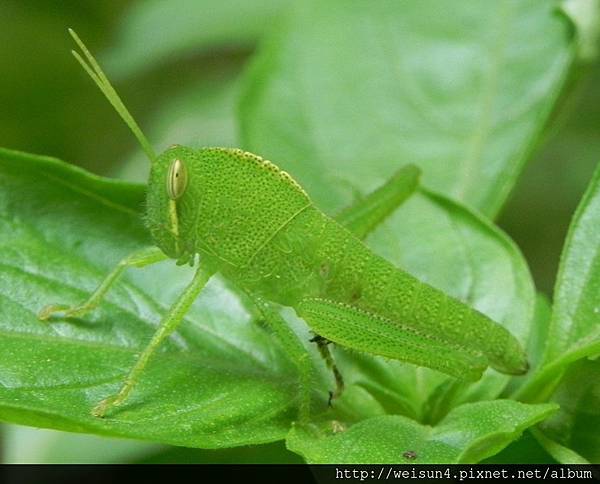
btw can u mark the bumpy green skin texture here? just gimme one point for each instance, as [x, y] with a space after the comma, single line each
[250, 221]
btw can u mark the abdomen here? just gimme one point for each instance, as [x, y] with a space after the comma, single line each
[313, 257]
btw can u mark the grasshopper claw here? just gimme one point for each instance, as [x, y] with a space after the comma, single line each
[53, 309]
[104, 406]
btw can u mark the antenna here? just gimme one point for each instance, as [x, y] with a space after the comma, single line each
[95, 72]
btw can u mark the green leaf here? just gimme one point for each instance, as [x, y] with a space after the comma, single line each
[576, 316]
[525, 450]
[575, 426]
[536, 344]
[539, 331]
[585, 14]
[221, 381]
[346, 91]
[273, 453]
[468, 434]
[154, 31]
[574, 331]
[562, 454]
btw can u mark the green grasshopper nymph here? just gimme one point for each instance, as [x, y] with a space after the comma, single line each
[233, 213]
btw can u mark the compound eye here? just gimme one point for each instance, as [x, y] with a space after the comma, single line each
[176, 179]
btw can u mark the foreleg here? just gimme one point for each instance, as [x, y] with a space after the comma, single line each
[169, 323]
[140, 258]
[293, 347]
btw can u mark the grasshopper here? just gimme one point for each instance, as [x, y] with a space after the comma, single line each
[236, 214]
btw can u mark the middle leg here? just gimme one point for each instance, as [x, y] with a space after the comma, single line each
[294, 349]
[323, 347]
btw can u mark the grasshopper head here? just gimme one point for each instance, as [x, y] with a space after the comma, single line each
[170, 202]
[218, 201]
